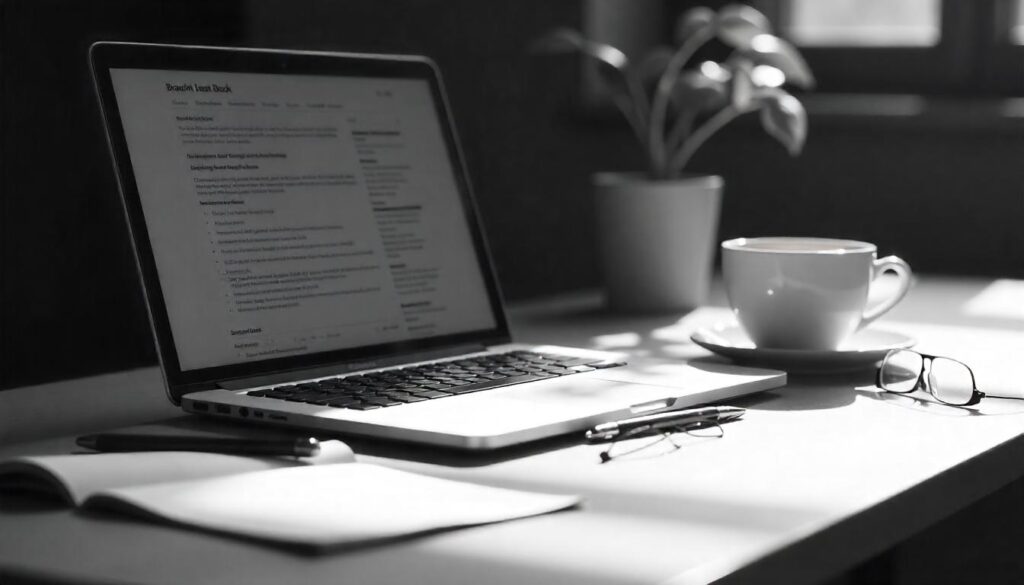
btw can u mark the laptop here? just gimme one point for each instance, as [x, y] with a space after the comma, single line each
[311, 256]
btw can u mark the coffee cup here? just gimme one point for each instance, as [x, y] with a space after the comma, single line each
[805, 293]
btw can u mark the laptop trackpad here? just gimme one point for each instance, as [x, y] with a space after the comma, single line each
[560, 400]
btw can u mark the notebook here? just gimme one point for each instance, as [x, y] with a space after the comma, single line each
[311, 256]
[314, 504]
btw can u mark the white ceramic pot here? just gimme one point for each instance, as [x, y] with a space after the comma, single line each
[657, 239]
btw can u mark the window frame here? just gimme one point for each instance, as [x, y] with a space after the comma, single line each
[944, 68]
[1001, 59]
[975, 55]
[975, 60]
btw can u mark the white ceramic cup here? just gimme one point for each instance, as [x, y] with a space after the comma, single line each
[805, 293]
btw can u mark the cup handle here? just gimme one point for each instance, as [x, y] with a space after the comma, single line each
[902, 270]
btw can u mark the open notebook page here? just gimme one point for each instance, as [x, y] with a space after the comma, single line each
[76, 477]
[328, 506]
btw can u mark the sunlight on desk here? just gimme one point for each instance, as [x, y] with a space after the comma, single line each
[1003, 299]
[664, 341]
[991, 353]
[674, 340]
[613, 341]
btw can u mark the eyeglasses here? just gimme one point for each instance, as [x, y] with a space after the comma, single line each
[948, 380]
[663, 438]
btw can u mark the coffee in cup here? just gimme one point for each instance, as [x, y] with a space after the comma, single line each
[805, 293]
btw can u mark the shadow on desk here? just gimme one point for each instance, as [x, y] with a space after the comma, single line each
[803, 393]
[923, 403]
[19, 502]
[15, 576]
[215, 427]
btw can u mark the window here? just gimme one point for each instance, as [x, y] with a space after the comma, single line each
[1017, 32]
[954, 48]
[938, 47]
[875, 23]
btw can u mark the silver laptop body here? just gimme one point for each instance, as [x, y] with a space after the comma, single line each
[311, 256]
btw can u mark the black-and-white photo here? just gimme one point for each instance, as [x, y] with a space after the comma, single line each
[448, 291]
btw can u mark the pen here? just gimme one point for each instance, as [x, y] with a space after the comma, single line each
[304, 447]
[662, 420]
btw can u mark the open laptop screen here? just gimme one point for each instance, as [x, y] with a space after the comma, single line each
[291, 214]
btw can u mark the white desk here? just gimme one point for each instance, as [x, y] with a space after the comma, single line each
[818, 477]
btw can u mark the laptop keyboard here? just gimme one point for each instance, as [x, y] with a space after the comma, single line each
[435, 380]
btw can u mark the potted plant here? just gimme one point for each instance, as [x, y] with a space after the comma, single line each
[658, 229]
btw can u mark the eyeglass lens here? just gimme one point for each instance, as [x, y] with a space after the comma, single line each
[951, 381]
[900, 371]
[948, 380]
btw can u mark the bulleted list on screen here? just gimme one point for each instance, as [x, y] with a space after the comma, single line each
[284, 223]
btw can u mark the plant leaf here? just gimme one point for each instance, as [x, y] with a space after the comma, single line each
[692, 22]
[612, 63]
[767, 76]
[766, 49]
[715, 71]
[561, 40]
[612, 68]
[652, 66]
[784, 118]
[566, 40]
[742, 95]
[739, 24]
[698, 92]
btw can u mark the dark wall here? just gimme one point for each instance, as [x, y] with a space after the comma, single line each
[948, 198]
[69, 298]
[529, 158]
[946, 195]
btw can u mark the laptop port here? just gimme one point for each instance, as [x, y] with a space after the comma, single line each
[200, 406]
[243, 411]
[221, 409]
[277, 417]
[257, 413]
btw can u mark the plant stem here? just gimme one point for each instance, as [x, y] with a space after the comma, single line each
[681, 127]
[659, 105]
[626, 106]
[700, 136]
[639, 98]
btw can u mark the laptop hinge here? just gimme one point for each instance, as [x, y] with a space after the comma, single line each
[347, 367]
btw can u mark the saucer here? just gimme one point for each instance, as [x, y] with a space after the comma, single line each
[863, 350]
